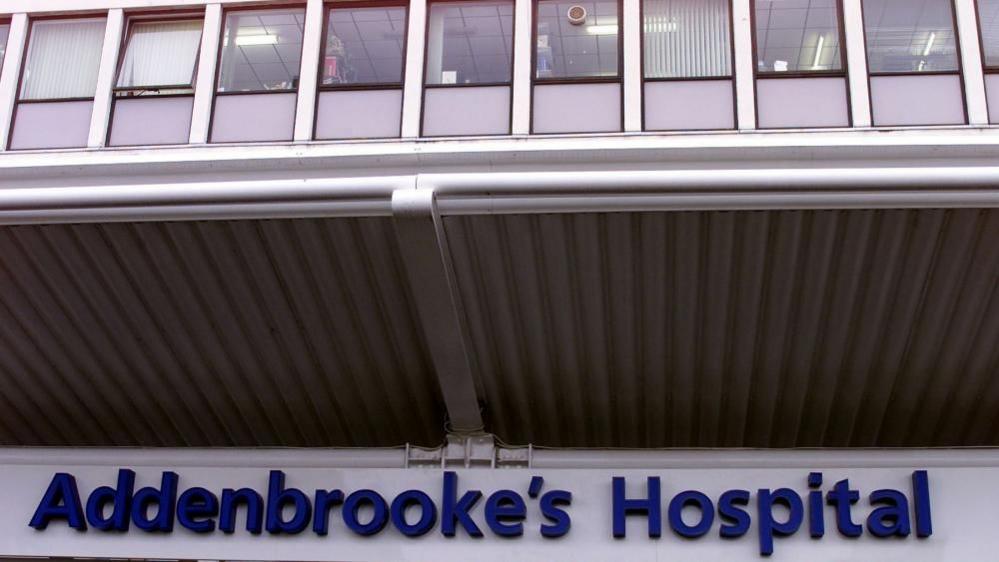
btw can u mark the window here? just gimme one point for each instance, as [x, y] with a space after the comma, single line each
[577, 39]
[906, 36]
[988, 19]
[63, 59]
[470, 43]
[160, 57]
[261, 50]
[797, 36]
[364, 45]
[686, 38]
[4, 32]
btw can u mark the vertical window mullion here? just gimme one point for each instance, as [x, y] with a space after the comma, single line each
[412, 96]
[631, 29]
[11, 69]
[856, 53]
[743, 65]
[971, 61]
[101, 115]
[305, 111]
[204, 82]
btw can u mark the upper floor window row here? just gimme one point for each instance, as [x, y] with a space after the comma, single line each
[363, 60]
[471, 42]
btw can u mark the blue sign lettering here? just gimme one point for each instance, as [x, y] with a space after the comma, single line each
[283, 509]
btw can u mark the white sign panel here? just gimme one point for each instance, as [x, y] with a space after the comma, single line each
[911, 514]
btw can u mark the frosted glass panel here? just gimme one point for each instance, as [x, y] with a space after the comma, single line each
[254, 118]
[160, 54]
[910, 35]
[687, 38]
[467, 111]
[62, 124]
[917, 100]
[577, 108]
[802, 102]
[63, 59]
[992, 94]
[797, 36]
[150, 121]
[356, 114]
[682, 105]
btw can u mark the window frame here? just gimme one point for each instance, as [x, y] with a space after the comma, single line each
[156, 17]
[24, 59]
[957, 45]
[426, 60]
[959, 72]
[218, 56]
[842, 72]
[617, 79]
[27, 51]
[731, 44]
[986, 68]
[328, 7]
[730, 76]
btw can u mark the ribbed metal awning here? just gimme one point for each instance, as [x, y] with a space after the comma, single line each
[280, 333]
[743, 306]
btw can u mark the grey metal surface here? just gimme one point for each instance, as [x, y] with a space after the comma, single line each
[774, 328]
[750, 328]
[274, 332]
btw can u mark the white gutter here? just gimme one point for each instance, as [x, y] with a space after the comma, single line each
[202, 200]
[806, 459]
[508, 193]
[394, 457]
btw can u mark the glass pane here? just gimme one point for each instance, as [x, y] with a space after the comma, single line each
[160, 54]
[470, 43]
[261, 50]
[579, 43]
[4, 32]
[797, 36]
[687, 38]
[988, 16]
[364, 45]
[63, 59]
[910, 35]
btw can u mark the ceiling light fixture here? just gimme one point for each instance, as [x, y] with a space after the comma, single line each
[249, 40]
[818, 52]
[610, 29]
[929, 43]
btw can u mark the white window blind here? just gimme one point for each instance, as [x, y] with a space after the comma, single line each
[687, 38]
[63, 59]
[160, 54]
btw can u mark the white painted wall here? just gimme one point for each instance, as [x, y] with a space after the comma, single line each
[964, 488]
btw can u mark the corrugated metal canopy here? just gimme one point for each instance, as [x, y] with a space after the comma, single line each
[743, 328]
[271, 332]
[735, 329]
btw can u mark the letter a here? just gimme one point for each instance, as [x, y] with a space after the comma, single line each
[61, 501]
